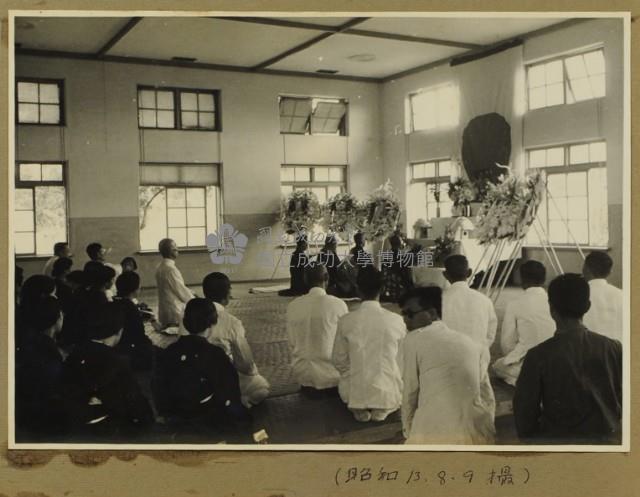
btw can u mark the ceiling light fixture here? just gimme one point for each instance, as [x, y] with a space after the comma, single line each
[362, 57]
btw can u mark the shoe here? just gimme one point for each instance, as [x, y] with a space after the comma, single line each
[363, 416]
[380, 415]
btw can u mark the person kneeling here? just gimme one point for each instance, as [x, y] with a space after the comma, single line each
[195, 380]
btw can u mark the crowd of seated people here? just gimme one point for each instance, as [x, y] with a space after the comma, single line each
[82, 342]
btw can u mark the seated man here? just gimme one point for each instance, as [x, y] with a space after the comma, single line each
[312, 321]
[104, 397]
[60, 249]
[441, 373]
[299, 260]
[526, 323]
[61, 268]
[365, 353]
[228, 334]
[195, 379]
[173, 294]
[570, 387]
[605, 314]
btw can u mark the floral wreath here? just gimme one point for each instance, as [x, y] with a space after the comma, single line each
[462, 191]
[343, 213]
[382, 211]
[300, 209]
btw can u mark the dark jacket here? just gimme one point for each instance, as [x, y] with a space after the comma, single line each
[74, 326]
[102, 393]
[134, 342]
[570, 390]
[195, 378]
[296, 269]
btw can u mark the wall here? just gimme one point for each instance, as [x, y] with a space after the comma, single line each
[602, 118]
[103, 147]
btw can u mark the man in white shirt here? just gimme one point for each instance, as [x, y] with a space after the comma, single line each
[60, 249]
[605, 314]
[312, 321]
[365, 353]
[173, 294]
[441, 373]
[527, 322]
[229, 334]
[471, 313]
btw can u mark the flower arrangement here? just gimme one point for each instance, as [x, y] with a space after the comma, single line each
[343, 213]
[382, 210]
[444, 246]
[300, 209]
[420, 228]
[509, 208]
[462, 192]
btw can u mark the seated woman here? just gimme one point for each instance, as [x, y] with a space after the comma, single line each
[299, 260]
[194, 380]
[396, 272]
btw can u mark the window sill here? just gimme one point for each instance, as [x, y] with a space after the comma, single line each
[186, 250]
[57, 125]
[29, 258]
[182, 129]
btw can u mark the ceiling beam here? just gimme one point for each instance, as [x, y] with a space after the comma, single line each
[118, 36]
[307, 44]
[269, 21]
[55, 54]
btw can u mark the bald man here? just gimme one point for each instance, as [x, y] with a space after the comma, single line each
[173, 294]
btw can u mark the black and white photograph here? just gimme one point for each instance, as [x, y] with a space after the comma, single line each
[400, 231]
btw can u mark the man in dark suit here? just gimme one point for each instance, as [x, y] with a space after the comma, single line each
[103, 397]
[570, 387]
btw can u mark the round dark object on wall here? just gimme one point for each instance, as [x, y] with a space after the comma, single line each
[485, 141]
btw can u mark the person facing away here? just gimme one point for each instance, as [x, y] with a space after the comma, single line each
[328, 257]
[61, 268]
[441, 373]
[60, 249]
[34, 289]
[471, 313]
[194, 378]
[312, 320]
[173, 294]
[102, 393]
[40, 411]
[605, 314]
[570, 387]
[98, 253]
[526, 323]
[365, 353]
[299, 260]
[228, 333]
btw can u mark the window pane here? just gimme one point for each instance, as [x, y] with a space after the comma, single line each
[557, 185]
[444, 168]
[580, 231]
[445, 208]
[320, 174]
[335, 174]
[212, 208]
[23, 199]
[598, 152]
[147, 118]
[536, 76]
[52, 172]
[165, 119]
[24, 243]
[30, 172]
[430, 169]
[579, 154]
[598, 85]
[179, 235]
[577, 184]
[195, 216]
[418, 171]
[50, 114]
[286, 189]
[598, 211]
[558, 208]
[152, 216]
[49, 93]
[195, 197]
[189, 119]
[416, 203]
[555, 94]
[575, 67]
[555, 156]
[537, 158]
[537, 98]
[164, 99]
[287, 174]
[594, 62]
[196, 236]
[188, 101]
[333, 190]
[577, 208]
[205, 102]
[557, 232]
[147, 99]
[27, 92]
[553, 72]
[176, 197]
[321, 193]
[28, 113]
[581, 89]
[176, 218]
[207, 120]
[23, 220]
[51, 217]
[303, 174]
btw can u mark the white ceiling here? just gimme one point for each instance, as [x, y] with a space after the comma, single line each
[233, 42]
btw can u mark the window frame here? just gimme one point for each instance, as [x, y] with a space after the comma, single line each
[432, 180]
[177, 107]
[343, 127]
[61, 103]
[312, 183]
[410, 107]
[567, 168]
[32, 185]
[565, 75]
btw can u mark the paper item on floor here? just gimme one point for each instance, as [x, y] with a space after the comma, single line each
[268, 289]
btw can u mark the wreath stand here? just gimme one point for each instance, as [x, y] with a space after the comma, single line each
[284, 247]
[494, 250]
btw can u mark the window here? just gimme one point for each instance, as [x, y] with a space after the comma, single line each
[39, 101]
[575, 207]
[175, 108]
[433, 108]
[324, 181]
[427, 195]
[179, 201]
[313, 116]
[40, 207]
[566, 80]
